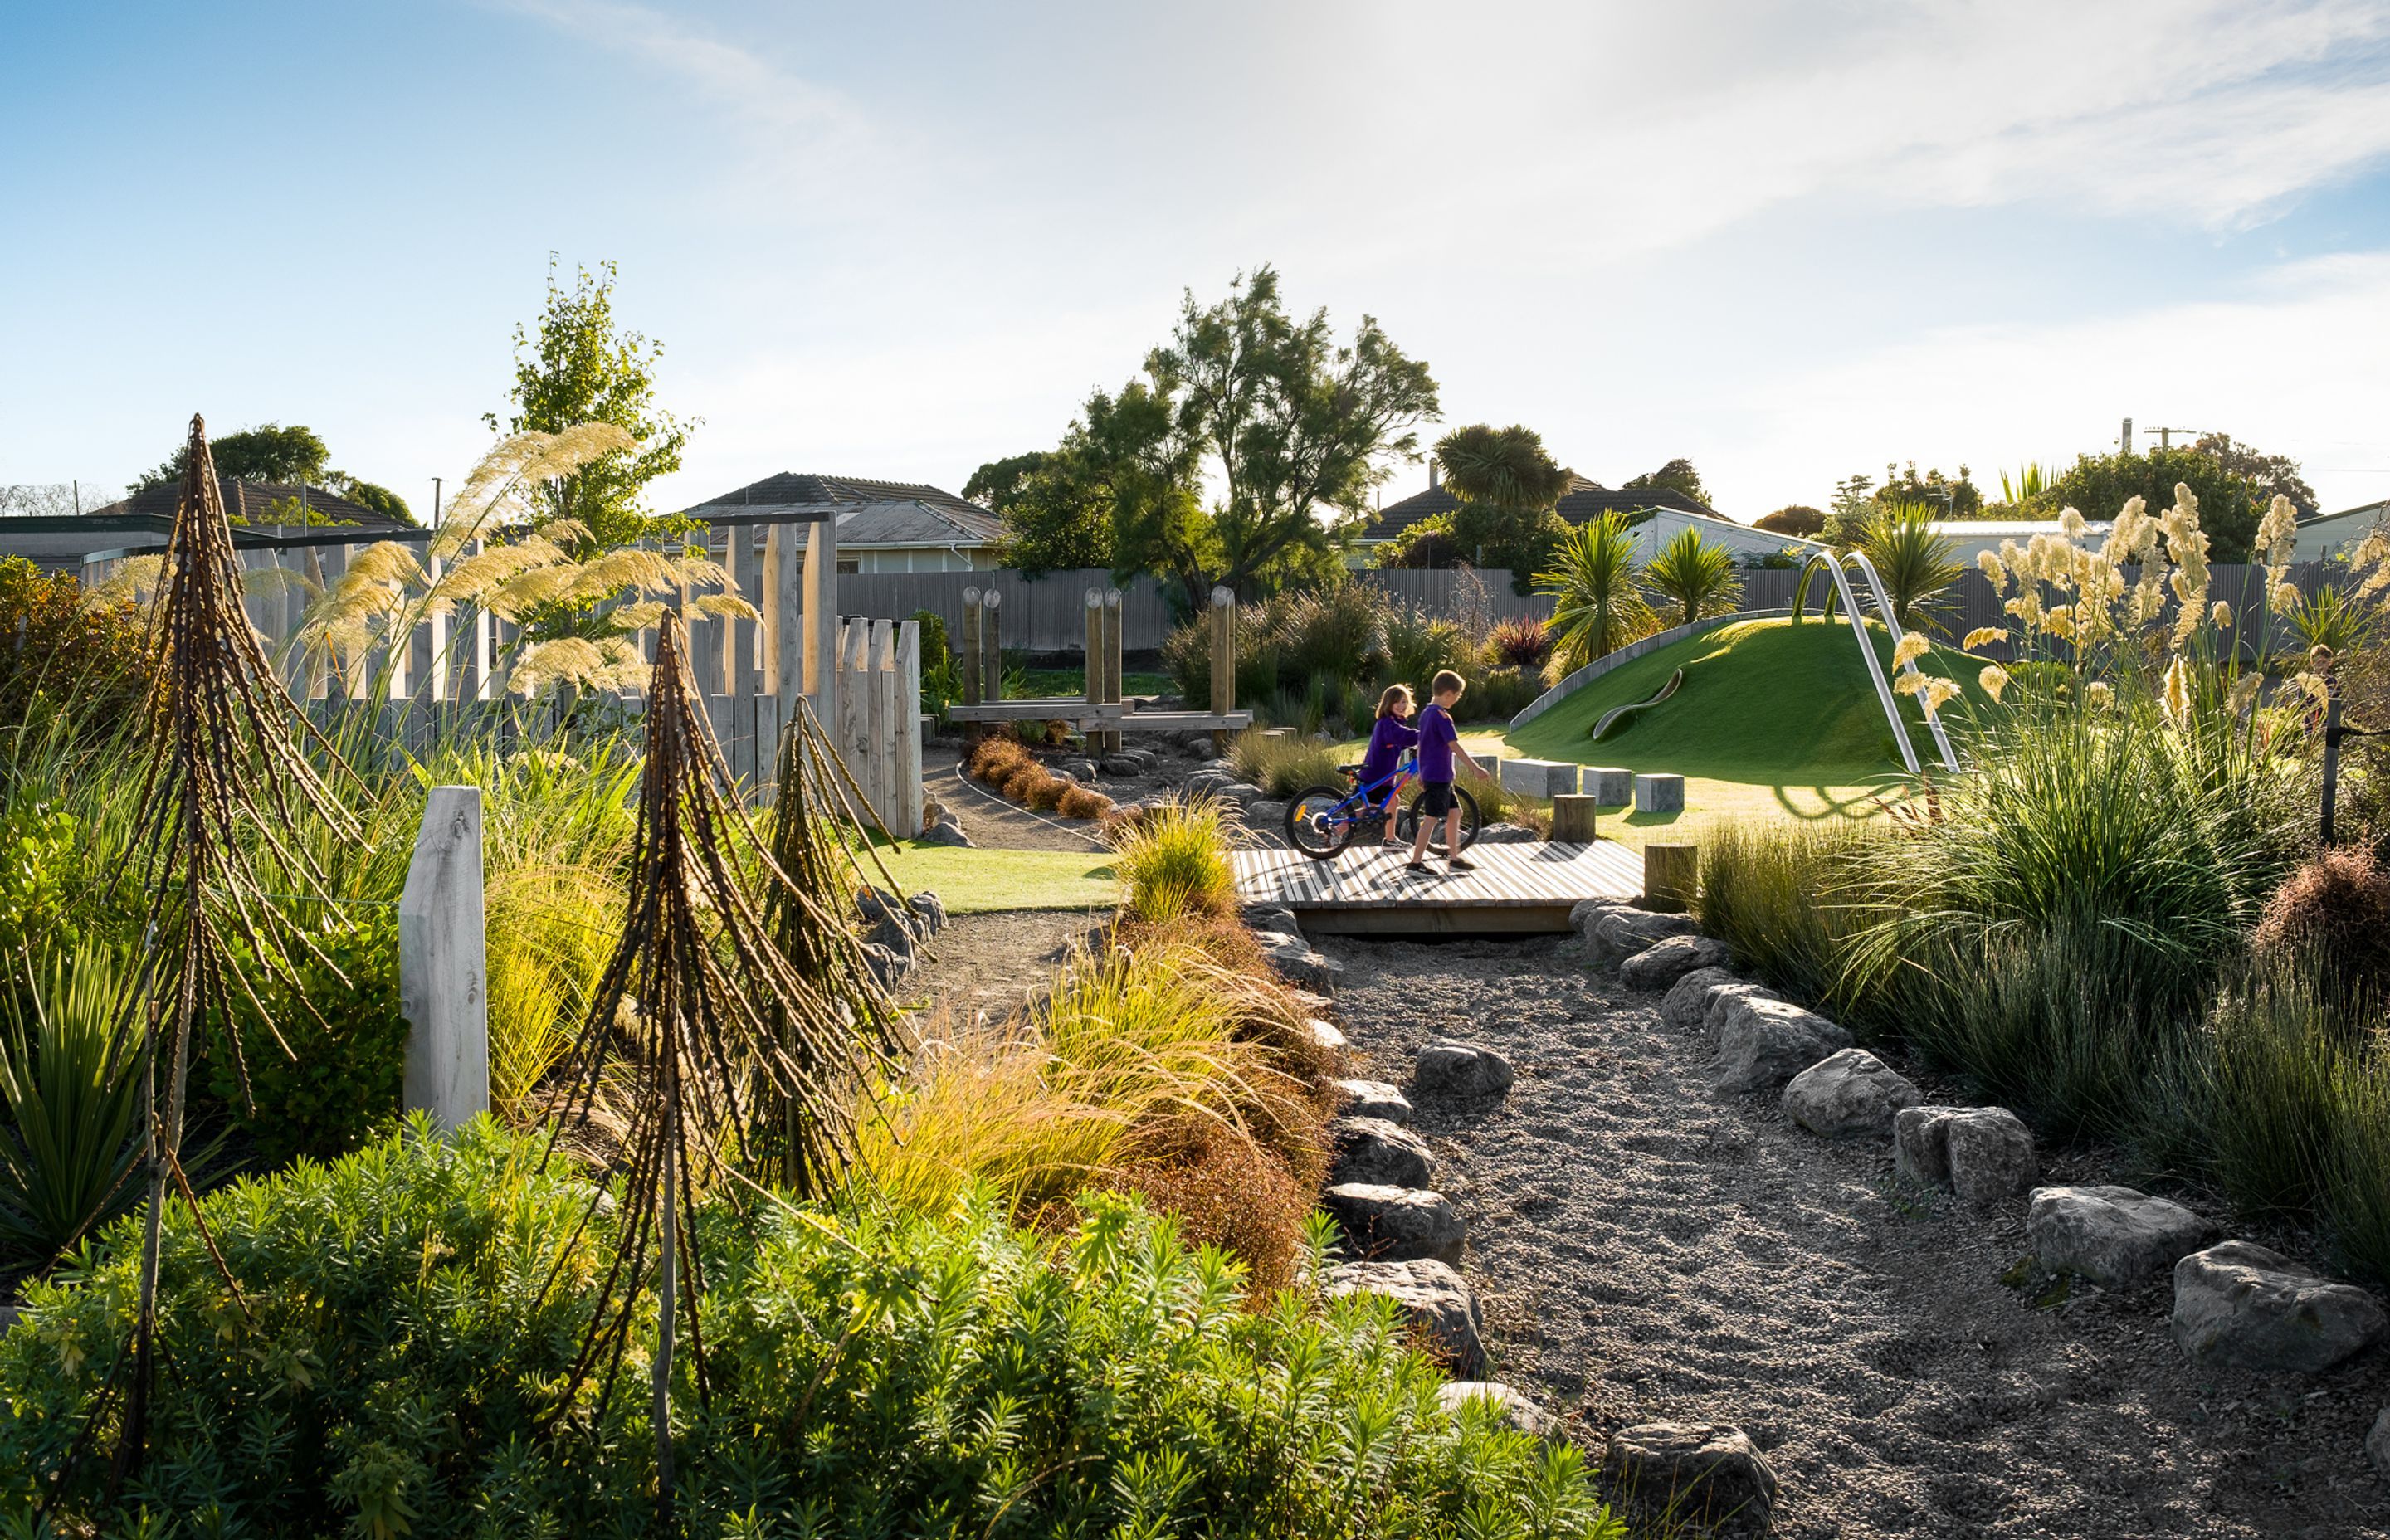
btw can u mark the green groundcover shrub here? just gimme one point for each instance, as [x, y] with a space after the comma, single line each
[862, 1375]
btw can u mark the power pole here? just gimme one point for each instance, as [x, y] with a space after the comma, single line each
[435, 502]
[2127, 439]
[2166, 435]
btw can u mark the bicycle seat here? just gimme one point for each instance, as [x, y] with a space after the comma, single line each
[1350, 772]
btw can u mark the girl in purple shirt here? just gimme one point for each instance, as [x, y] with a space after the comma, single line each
[1387, 741]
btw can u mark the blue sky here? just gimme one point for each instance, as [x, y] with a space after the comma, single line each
[1789, 241]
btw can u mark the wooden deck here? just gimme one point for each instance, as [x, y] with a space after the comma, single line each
[1516, 889]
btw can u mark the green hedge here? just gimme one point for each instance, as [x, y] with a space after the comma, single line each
[865, 1374]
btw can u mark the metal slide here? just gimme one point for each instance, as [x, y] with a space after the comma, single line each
[1867, 648]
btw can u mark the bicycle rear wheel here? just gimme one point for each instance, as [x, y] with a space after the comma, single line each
[1317, 822]
[1407, 825]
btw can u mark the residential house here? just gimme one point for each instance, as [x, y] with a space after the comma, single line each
[58, 543]
[1659, 514]
[2324, 536]
[883, 526]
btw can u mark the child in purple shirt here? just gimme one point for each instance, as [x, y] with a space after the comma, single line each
[1387, 741]
[1439, 741]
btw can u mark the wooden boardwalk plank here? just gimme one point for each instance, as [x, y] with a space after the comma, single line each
[1539, 877]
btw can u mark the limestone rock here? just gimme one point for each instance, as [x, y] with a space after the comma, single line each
[1326, 1033]
[887, 967]
[1395, 1223]
[1665, 961]
[1517, 1410]
[1849, 1095]
[1586, 913]
[1462, 1072]
[1506, 834]
[2111, 1235]
[1125, 763]
[946, 830]
[2377, 1444]
[1380, 1153]
[1297, 963]
[1722, 998]
[1627, 930]
[1266, 816]
[1702, 1470]
[1981, 1153]
[1272, 916]
[1690, 994]
[1438, 1302]
[1080, 770]
[2245, 1307]
[1762, 1043]
[928, 912]
[1373, 1099]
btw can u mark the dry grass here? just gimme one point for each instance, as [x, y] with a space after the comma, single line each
[1078, 802]
[1174, 861]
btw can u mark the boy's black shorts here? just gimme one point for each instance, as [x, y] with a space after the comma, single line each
[1435, 799]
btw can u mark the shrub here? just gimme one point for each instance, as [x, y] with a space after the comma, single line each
[865, 1373]
[1024, 779]
[1428, 542]
[1786, 898]
[1522, 641]
[1500, 694]
[71, 1119]
[1174, 861]
[2335, 912]
[58, 654]
[1418, 644]
[1793, 518]
[1080, 802]
[1597, 604]
[1695, 577]
[994, 758]
[1283, 766]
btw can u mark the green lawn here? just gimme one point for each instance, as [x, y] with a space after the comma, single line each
[978, 881]
[1039, 683]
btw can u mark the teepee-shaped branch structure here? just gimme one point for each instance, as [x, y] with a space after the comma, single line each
[706, 1037]
[213, 841]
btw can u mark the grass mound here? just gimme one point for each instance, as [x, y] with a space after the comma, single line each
[1763, 702]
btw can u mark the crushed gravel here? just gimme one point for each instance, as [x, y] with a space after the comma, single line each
[1647, 1249]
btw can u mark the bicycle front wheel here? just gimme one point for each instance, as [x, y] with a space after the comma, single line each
[1318, 824]
[1407, 825]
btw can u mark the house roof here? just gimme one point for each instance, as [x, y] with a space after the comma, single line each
[869, 512]
[1583, 502]
[2362, 511]
[251, 503]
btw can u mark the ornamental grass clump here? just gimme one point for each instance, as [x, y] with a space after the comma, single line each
[1173, 860]
[1284, 766]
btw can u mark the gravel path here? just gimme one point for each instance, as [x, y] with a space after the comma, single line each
[992, 962]
[1646, 1250]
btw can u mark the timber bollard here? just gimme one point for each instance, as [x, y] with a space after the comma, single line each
[443, 962]
[1671, 876]
[1572, 819]
[1224, 663]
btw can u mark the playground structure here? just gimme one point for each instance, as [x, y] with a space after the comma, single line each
[1839, 566]
[1099, 712]
[1618, 714]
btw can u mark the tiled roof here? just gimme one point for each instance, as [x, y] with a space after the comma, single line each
[1584, 501]
[251, 502]
[871, 512]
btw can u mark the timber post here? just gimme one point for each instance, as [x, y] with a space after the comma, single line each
[443, 962]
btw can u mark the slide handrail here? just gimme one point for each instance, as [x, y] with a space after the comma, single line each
[1883, 608]
[1837, 564]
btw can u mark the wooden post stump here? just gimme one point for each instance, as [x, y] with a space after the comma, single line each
[1671, 876]
[443, 967]
[1572, 819]
[1224, 663]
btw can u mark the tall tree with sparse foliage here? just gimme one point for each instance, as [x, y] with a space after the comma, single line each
[1508, 487]
[578, 368]
[294, 455]
[1677, 475]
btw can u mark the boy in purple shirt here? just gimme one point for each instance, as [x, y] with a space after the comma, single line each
[1439, 741]
[1387, 741]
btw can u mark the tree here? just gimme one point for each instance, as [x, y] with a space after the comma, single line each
[1056, 516]
[1596, 607]
[1797, 520]
[1696, 576]
[295, 455]
[2231, 504]
[1677, 475]
[1914, 562]
[1950, 499]
[1506, 486]
[2267, 474]
[579, 370]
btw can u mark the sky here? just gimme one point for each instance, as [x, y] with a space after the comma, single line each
[1789, 241]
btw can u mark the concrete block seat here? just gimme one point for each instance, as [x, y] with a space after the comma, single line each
[1659, 793]
[1539, 777]
[1608, 786]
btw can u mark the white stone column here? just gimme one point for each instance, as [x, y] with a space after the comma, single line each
[442, 969]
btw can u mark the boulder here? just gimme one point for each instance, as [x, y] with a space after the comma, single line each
[1984, 1154]
[1080, 770]
[1664, 962]
[1705, 1472]
[894, 934]
[1507, 834]
[1689, 996]
[1586, 913]
[1515, 1408]
[2245, 1307]
[1379, 1153]
[1373, 1099]
[2377, 1444]
[1271, 917]
[1395, 1223]
[1439, 1304]
[1326, 1033]
[1297, 963]
[946, 830]
[2111, 1235]
[1461, 1072]
[1125, 763]
[887, 968]
[1627, 930]
[1265, 814]
[928, 912]
[1722, 999]
[1851, 1094]
[1762, 1043]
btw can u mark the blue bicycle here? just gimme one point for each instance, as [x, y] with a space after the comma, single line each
[1321, 820]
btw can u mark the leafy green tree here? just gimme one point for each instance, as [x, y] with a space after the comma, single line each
[1798, 519]
[1597, 608]
[1506, 486]
[2230, 503]
[1696, 576]
[1055, 516]
[1677, 475]
[295, 455]
[579, 369]
[1950, 499]
[2267, 474]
